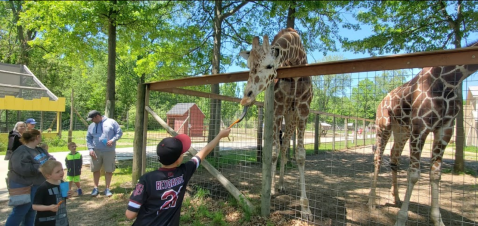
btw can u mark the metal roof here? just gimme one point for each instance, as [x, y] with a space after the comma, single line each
[18, 81]
[181, 109]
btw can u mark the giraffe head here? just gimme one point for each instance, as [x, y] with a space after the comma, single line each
[262, 61]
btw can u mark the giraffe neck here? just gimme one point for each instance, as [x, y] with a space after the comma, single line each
[291, 50]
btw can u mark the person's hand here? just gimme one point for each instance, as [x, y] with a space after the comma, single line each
[54, 207]
[92, 154]
[224, 132]
[109, 143]
[70, 193]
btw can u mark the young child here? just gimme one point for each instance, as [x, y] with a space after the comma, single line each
[44, 146]
[158, 195]
[49, 203]
[73, 162]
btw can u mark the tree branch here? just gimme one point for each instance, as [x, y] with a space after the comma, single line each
[225, 15]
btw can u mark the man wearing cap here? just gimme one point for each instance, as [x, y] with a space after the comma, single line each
[30, 124]
[101, 141]
[159, 194]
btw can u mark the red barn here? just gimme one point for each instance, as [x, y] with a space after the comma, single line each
[186, 118]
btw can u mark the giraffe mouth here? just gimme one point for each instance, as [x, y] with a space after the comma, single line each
[247, 101]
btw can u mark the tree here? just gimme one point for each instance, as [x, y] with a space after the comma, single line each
[414, 26]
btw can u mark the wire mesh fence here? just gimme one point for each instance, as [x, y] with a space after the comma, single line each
[338, 175]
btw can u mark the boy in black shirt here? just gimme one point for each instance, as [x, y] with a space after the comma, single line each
[48, 202]
[158, 195]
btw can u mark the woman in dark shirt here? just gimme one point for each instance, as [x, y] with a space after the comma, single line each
[14, 138]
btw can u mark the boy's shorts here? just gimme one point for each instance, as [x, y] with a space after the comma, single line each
[104, 158]
[73, 178]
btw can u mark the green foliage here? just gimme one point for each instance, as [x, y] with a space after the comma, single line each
[413, 26]
[56, 142]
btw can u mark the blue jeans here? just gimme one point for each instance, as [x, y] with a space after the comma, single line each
[23, 213]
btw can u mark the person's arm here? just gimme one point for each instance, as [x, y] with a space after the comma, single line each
[67, 163]
[52, 207]
[89, 139]
[210, 146]
[11, 142]
[130, 214]
[118, 131]
[23, 164]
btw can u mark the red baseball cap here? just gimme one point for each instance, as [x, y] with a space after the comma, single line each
[171, 148]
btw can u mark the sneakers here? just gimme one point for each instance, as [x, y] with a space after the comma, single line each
[80, 192]
[94, 192]
[108, 193]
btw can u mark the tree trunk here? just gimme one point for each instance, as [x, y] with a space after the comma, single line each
[138, 132]
[110, 81]
[459, 165]
[215, 106]
[16, 8]
[70, 131]
[290, 15]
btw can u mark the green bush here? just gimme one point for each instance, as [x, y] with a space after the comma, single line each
[56, 142]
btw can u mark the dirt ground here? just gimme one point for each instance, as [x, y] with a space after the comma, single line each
[338, 184]
[337, 187]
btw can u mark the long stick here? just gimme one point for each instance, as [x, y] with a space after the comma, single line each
[223, 180]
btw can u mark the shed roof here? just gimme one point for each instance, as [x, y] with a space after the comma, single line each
[181, 109]
[18, 81]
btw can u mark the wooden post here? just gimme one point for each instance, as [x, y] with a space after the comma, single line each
[242, 200]
[267, 151]
[355, 132]
[333, 133]
[41, 121]
[364, 133]
[58, 123]
[346, 131]
[138, 132]
[317, 134]
[260, 130]
[145, 130]
[70, 131]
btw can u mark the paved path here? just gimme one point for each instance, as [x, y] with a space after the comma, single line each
[127, 153]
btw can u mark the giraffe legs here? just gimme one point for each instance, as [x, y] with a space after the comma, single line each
[401, 135]
[413, 175]
[442, 137]
[300, 158]
[383, 134]
[275, 152]
[287, 134]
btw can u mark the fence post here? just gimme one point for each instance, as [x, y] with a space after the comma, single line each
[355, 132]
[364, 134]
[316, 135]
[260, 130]
[267, 152]
[333, 133]
[346, 132]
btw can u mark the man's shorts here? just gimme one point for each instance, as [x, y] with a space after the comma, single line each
[105, 159]
[73, 178]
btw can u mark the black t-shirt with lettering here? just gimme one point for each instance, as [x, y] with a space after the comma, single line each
[48, 194]
[158, 195]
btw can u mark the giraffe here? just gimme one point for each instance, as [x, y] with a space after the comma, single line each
[292, 97]
[429, 102]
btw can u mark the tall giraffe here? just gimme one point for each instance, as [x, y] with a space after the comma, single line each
[427, 103]
[292, 98]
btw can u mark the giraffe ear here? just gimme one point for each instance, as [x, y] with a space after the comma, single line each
[265, 43]
[275, 52]
[255, 42]
[245, 54]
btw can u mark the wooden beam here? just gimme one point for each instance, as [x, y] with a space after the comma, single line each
[461, 56]
[206, 95]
